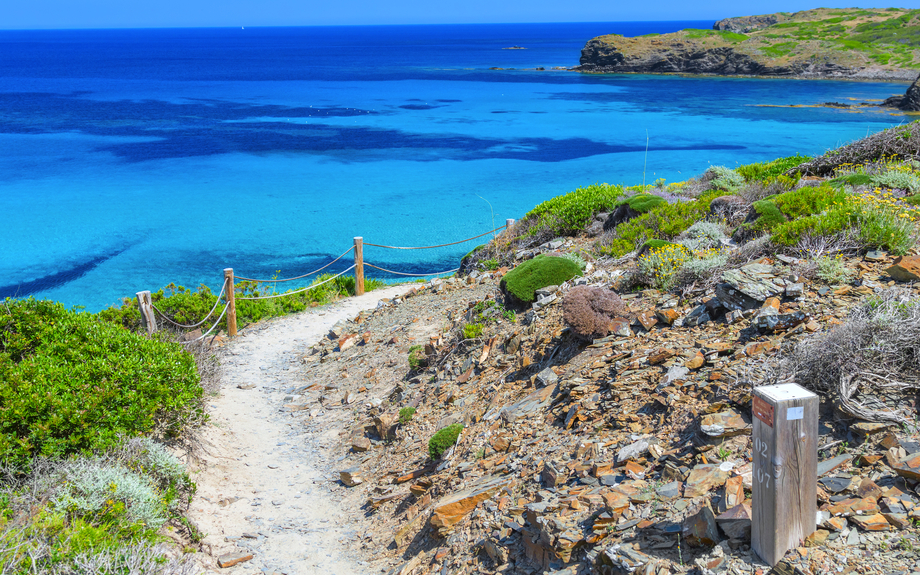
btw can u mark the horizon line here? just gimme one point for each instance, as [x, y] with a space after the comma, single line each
[243, 26]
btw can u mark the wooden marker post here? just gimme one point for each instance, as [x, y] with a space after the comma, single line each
[359, 266]
[145, 305]
[231, 302]
[785, 469]
[508, 224]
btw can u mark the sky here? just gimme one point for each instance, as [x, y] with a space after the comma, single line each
[31, 14]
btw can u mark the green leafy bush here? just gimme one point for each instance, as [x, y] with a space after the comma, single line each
[572, 212]
[769, 171]
[832, 270]
[666, 221]
[443, 440]
[417, 358]
[472, 330]
[643, 203]
[898, 180]
[405, 414]
[541, 271]
[72, 383]
[726, 179]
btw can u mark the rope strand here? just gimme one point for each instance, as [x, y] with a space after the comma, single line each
[182, 325]
[409, 275]
[298, 277]
[213, 327]
[309, 287]
[430, 247]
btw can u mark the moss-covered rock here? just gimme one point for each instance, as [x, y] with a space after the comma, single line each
[520, 283]
[643, 203]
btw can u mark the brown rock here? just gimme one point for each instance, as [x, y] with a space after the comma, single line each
[909, 467]
[455, 507]
[702, 479]
[231, 559]
[660, 356]
[360, 444]
[696, 361]
[385, 424]
[667, 316]
[700, 528]
[869, 490]
[875, 522]
[835, 524]
[347, 341]
[736, 522]
[616, 502]
[728, 423]
[905, 269]
[817, 539]
[897, 520]
[733, 493]
[647, 320]
[849, 507]
[351, 477]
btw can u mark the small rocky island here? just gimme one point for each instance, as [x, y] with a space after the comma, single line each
[881, 44]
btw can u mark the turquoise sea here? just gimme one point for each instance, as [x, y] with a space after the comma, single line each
[135, 158]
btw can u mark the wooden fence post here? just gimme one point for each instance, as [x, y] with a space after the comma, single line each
[359, 265]
[508, 224]
[785, 469]
[145, 305]
[231, 302]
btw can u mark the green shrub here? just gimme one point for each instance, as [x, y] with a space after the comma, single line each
[107, 492]
[472, 330]
[667, 221]
[643, 203]
[572, 212]
[71, 383]
[417, 358]
[577, 259]
[832, 270]
[703, 235]
[443, 440]
[405, 414]
[188, 307]
[661, 264]
[704, 264]
[767, 172]
[725, 179]
[776, 211]
[898, 180]
[541, 271]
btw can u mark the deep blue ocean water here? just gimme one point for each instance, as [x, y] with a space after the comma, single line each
[135, 158]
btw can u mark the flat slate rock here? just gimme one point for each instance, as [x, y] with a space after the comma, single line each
[833, 463]
[835, 484]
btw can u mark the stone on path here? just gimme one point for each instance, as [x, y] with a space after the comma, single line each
[231, 559]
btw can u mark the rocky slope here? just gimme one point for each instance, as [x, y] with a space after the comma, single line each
[910, 101]
[822, 43]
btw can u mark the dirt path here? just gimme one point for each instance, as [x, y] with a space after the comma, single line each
[265, 487]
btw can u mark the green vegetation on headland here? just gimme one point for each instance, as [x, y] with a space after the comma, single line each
[86, 400]
[824, 42]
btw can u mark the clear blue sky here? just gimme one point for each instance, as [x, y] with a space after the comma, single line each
[181, 13]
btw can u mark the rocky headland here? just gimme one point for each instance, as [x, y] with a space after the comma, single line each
[821, 43]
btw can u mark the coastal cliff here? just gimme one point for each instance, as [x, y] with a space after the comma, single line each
[822, 43]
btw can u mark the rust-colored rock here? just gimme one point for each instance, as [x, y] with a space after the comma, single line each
[702, 479]
[905, 269]
[455, 507]
[876, 522]
[909, 467]
[231, 559]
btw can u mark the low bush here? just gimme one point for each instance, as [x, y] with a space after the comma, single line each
[70, 383]
[443, 440]
[897, 180]
[417, 358]
[472, 330]
[570, 213]
[665, 222]
[522, 282]
[643, 203]
[660, 265]
[703, 235]
[405, 414]
[879, 222]
[185, 306]
[832, 270]
[722, 178]
[768, 171]
[703, 267]
[588, 311]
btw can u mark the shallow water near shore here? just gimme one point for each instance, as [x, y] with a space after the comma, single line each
[136, 158]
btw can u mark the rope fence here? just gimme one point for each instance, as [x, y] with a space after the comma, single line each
[149, 311]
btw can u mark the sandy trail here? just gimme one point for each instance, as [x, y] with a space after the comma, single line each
[264, 487]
